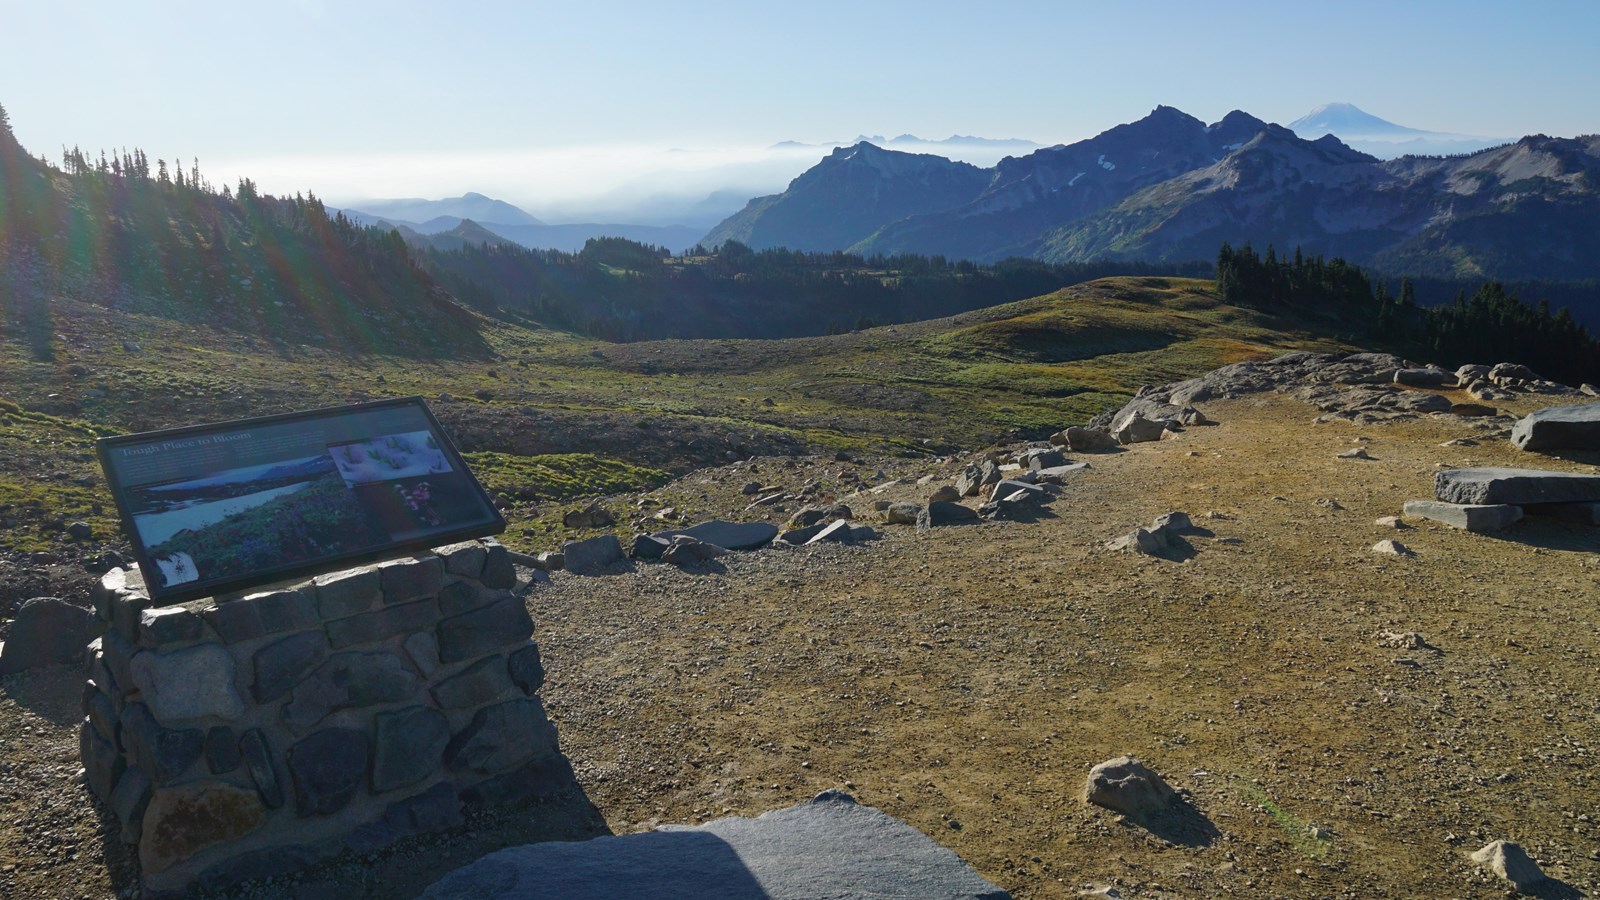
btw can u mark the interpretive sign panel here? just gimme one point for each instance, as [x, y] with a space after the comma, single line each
[216, 508]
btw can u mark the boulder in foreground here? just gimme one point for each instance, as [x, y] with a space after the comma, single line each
[1559, 428]
[1516, 486]
[1392, 548]
[592, 555]
[1084, 440]
[46, 632]
[945, 514]
[1511, 862]
[1128, 786]
[829, 847]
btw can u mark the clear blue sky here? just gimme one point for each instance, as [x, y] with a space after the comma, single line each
[293, 86]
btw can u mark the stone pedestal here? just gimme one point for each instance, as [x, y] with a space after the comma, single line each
[242, 736]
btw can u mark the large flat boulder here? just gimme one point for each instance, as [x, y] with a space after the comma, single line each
[1478, 518]
[1059, 474]
[1559, 428]
[829, 847]
[1516, 486]
[728, 535]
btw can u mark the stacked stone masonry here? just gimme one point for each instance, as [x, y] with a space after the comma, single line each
[242, 736]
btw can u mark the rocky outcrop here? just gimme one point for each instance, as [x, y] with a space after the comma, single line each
[1136, 429]
[1359, 387]
[1370, 403]
[238, 737]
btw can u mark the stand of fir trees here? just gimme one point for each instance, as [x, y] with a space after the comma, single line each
[119, 231]
[620, 290]
[1492, 325]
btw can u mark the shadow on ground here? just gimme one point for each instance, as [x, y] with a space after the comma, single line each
[1180, 823]
[651, 864]
[1552, 889]
[54, 694]
[1178, 548]
[557, 809]
[1550, 533]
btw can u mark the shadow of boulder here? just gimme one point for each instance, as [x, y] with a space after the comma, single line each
[54, 693]
[1180, 822]
[1552, 889]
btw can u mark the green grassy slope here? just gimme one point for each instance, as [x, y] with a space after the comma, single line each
[550, 417]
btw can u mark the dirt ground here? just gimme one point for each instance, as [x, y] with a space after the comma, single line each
[966, 679]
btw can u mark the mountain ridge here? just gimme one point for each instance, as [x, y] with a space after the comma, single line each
[470, 205]
[1168, 187]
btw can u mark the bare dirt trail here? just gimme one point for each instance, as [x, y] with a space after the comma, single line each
[965, 679]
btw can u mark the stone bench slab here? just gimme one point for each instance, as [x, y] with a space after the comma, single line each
[1478, 518]
[1515, 486]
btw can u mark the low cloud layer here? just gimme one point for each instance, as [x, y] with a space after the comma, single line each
[602, 183]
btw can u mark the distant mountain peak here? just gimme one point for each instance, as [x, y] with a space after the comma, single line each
[1236, 118]
[888, 162]
[470, 205]
[1166, 119]
[1366, 132]
[1347, 120]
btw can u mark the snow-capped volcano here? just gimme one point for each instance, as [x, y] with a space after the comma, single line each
[1381, 137]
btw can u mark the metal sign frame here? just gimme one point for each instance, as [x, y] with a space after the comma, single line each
[172, 486]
